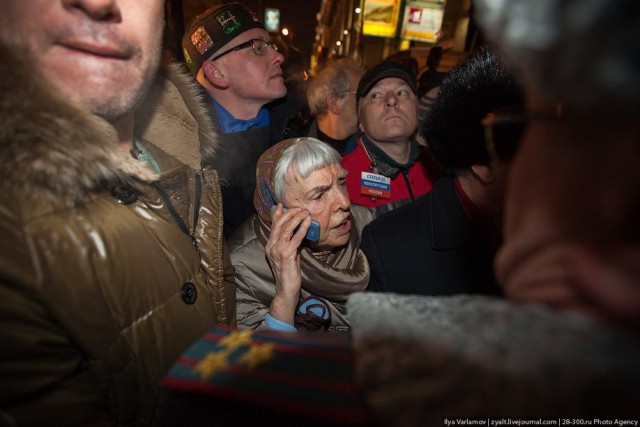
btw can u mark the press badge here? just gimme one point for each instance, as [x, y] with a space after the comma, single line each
[376, 185]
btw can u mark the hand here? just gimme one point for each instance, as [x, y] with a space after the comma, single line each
[283, 253]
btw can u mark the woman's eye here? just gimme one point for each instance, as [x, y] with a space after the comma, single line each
[375, 95]
[403, 92]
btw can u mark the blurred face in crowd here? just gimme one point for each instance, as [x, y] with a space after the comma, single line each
[251, 77]
[324, 194]
[348, 112]
[389, 112]
[101, 54]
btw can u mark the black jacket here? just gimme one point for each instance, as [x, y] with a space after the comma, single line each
[429, 247]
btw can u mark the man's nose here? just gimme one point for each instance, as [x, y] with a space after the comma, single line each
[100, 10]
[279, 58]
[390, 99]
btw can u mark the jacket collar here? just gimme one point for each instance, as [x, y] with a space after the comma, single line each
[384, 164]
[174, 118]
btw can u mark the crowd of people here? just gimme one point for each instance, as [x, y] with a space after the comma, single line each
[146, 201]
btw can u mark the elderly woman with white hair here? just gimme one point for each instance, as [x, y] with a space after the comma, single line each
[310, 233]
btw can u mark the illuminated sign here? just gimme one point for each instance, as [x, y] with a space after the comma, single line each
[423, 20]
[380, 18]
[272, 19]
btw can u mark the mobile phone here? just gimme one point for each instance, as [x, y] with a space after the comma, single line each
[313, 233]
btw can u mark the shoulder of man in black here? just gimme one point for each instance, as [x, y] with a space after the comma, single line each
[391, 241]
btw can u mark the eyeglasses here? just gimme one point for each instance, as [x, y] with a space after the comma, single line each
[260, 47]
[344, 94]
[504, 128]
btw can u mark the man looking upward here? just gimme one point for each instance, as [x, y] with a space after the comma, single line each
[388, 168]
[233, 58]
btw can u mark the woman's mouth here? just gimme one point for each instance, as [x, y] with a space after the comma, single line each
[344, 227]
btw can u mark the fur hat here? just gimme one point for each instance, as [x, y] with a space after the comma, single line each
[214, 28]
[382, 71]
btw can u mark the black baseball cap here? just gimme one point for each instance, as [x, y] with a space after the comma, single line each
[214, 28]
[382, 71]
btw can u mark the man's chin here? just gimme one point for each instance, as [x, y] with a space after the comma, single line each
[110, 93]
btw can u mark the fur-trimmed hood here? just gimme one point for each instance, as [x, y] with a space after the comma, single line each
[51, 148]
[174, 118]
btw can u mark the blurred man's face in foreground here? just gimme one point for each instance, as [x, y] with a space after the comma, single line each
[101, 54]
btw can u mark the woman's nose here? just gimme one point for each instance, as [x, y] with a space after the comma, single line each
[342, 200]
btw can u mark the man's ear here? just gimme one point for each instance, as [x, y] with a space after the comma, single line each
[484, 173]
[215, 75]
[334, 105]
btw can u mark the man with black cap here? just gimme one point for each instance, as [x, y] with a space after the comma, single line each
[233, 58]
[388, 168]
[445, 242]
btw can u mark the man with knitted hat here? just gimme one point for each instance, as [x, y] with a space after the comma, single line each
[388, 168]
[233, 58]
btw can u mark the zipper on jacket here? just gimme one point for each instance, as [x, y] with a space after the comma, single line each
[407, 180]
[176, 216]
[196, 208]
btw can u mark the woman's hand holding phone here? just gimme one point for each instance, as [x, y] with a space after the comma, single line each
[288, 229]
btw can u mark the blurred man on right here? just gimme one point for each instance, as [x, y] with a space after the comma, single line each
[565, 344]
[572, 235]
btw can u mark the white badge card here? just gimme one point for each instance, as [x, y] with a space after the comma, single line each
[376, 185]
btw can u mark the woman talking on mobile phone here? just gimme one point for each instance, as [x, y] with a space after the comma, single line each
[297, 259]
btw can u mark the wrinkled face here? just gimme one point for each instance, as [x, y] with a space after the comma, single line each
[389, 112]
[253, 78]
[324, 194]
[100, 54]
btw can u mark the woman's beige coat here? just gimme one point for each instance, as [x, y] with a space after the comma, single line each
[332, 277]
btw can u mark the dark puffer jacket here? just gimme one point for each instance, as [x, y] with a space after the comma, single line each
[100, 288]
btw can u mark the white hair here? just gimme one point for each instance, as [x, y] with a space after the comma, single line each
[303, 157]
